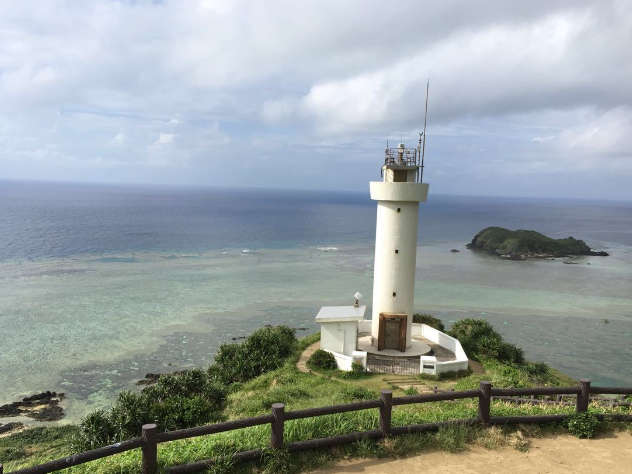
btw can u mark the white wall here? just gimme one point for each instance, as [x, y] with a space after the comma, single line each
[364, 326]
[450, 343]
[395, 272]
[339, 337]
[344, 362]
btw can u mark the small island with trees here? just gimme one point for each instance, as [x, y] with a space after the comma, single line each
[523, 244]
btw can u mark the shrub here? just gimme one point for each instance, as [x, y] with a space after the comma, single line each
[454, 374]
[266, 349]
[322, 360]
[175, 401]
[357, 371]
[583, 425]
[411, 391]
[12, 453]
[480, 339]
[511, 353]
[429, 319]
[358, 393]
[96, 430]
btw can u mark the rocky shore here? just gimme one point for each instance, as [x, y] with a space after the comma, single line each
[40, 407]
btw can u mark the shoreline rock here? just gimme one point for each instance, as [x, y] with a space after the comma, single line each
[10, 427]
[42, 406]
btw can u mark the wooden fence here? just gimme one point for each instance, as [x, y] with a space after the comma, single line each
[151, 437]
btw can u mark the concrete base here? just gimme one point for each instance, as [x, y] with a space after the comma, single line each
[416, 348]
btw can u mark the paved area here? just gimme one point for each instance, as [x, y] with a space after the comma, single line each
[418, 347]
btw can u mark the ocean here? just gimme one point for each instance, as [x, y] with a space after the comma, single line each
[102, 284]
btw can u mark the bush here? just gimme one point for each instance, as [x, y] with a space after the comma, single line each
[454, 374]
[12, 453]
[480, 339]
[583, 425]
[322, 360]
[183, 400]
[96, 430]
[357, 371]
[411, 391]
[358, 393]
[429, 319]
[266, 349]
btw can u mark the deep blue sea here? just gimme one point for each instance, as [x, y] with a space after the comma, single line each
[101, 284]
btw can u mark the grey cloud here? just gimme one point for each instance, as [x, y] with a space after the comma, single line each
[139, 91]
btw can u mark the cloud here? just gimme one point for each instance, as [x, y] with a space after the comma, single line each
[119, 138]
[164, 139]
[516, 88]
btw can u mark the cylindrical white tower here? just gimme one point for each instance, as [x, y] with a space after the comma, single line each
[398, 197]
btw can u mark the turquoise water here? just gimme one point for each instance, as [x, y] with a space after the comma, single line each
[88, 320]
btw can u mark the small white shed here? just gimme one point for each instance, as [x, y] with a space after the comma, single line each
[339, 328]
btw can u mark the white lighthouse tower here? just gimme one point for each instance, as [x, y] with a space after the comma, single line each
[390, 342]
[398, 196]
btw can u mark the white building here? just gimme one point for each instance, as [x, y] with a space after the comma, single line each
[390, 342]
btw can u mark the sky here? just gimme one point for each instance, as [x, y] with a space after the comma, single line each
[526, 98]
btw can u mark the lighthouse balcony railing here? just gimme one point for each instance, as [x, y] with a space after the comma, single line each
[398, 157]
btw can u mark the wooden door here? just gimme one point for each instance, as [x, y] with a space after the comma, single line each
[392, 332]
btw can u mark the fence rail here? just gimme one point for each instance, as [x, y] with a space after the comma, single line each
[150, 438]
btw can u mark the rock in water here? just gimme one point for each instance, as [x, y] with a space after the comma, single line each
[42, 407]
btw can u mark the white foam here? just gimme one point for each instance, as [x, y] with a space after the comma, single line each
[327, 249]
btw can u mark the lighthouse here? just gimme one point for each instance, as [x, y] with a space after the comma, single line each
[398, 196]
[390, 342]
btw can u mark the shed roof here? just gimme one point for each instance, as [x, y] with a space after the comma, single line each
[330, 314]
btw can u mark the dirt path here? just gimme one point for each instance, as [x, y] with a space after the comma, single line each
[302, 361]
[611, 454]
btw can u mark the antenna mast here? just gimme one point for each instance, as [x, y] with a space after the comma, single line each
[423, 149]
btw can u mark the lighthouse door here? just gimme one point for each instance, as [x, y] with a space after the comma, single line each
[392, 332]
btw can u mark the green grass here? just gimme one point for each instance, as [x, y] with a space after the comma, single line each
[36, 446]
[299, 390]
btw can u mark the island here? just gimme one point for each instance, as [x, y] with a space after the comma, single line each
[522, 244]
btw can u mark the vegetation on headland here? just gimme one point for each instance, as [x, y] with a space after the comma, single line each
[523, 244]
[429, 319]
[284, 383]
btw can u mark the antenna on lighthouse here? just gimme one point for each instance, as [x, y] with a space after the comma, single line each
[423, 149]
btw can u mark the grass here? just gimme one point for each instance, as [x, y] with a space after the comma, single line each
[300, 390]
[36, 446]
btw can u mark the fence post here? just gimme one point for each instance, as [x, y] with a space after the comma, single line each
[278, 412]
[385, 412]
[484, 400]
[150, 449]
[583, 397]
